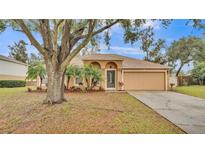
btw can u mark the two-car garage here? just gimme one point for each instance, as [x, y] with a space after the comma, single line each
[145, 80]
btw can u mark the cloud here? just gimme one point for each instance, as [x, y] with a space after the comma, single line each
[154, 24]
[116, 29]
[123, 50]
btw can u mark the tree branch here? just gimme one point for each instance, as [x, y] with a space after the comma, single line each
[75, 35]
[106, 27]
[92, 24]
[46, 34]
[55, 33]
[33, 41]
[179, 69]
[66, 35]
[76, 39]
[101, 29]
[59, 23]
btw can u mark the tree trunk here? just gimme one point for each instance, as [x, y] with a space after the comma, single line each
[68, 82]
[88, 83]
[147, 56]
[63, 87]
[55, 89]
[178, 71]
[41, 80]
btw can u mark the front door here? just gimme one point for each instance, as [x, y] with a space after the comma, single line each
[110, 79]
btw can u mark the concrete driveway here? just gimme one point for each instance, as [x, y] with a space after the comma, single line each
[185, 111]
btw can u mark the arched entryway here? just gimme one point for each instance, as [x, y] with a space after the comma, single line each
[96, 65]
[111, 65]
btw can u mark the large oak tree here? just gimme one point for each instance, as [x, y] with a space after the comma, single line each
[184, 51]
[152, 47]
[61, 40]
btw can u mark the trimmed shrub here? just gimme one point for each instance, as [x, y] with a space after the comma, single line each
[12, 83]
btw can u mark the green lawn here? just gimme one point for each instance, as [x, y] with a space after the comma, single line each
[96, 112]
[198, 91]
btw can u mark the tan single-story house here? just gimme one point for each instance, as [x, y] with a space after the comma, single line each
[11, 69]
[135, 74]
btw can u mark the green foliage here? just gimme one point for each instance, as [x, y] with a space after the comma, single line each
[184, 51]
[156, 55]
[12, 83]
[87, 71]
[96, 77]
[73, 71]
[152, 47]
[2, 26]
[197, 23]
[36, 70]
[199, 72]
[18, 51]
[92, 76]
[34, 58]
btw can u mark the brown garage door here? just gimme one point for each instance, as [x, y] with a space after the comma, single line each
[144, 80]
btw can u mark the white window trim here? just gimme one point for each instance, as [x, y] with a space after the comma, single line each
[106, 78]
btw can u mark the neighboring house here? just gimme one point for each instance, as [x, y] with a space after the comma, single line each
[133, 73]
[11, 69]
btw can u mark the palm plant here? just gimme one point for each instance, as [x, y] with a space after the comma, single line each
[95, 77]
[92, 76]
[36, 70]
[87, 72]
[73, 71]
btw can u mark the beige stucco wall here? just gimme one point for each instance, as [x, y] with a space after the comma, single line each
[104, 64]
[12, 70]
